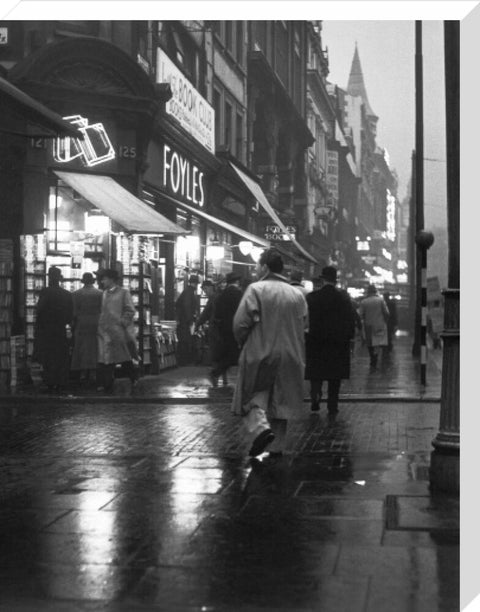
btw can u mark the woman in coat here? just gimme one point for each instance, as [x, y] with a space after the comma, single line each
[87, 304]
[116, 332]
[270, 324]
[374, 314]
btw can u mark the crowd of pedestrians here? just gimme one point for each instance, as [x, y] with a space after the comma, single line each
[276, 331]
[280, 335]
[102, 332]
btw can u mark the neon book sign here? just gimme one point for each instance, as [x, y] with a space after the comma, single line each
[95, 147]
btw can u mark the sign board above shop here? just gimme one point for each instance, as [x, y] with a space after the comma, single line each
[275, 233]
[187, 106]
[181, 177]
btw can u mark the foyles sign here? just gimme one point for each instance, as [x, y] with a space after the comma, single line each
[182, 178]
[192, 110]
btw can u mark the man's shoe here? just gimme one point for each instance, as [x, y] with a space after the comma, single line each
[261, 442]
[315, 406]
[275, 454]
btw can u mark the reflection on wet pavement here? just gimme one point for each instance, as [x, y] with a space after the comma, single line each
[126, 507]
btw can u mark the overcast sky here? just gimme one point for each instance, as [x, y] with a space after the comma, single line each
[387, 56]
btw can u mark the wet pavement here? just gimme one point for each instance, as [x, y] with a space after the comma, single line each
[153, 504]
[397, 377]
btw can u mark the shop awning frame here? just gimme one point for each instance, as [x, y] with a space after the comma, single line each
[261, 198]
[131, 213]
[35, 111]
[257, 240]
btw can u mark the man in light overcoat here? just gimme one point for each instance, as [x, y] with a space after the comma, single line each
[269, 325]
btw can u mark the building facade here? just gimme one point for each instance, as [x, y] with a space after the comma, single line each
[199, 144]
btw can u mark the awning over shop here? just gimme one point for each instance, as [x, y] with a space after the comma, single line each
[220, 223]
[34, 111]
[119, 204]
[261, 198]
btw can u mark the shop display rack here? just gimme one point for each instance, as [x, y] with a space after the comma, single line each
[6, 318]
[166, 344]
[34, 272]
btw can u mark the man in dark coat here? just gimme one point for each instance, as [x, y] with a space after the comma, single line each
[51, 347]
[187, 307]
[207, 313]
[225, 349]
[332, 325]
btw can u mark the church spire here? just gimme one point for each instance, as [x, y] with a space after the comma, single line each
[356, 84]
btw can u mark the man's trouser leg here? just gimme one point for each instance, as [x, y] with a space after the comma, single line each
[108, 370]
[255, 421]
[333, 391]
[279, 428]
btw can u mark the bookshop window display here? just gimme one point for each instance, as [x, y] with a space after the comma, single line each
[188, 253]
[78, 238]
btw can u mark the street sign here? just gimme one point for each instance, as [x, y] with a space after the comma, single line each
[275, 233]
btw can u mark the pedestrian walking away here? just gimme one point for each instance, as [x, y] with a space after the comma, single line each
[392, 319]
[270, 325]
[225, 349]
[116, 332]
[87, 305]
[204, 321]
[296, 280]
[331, 327]
[187, 308]
[51, 345]
[374, 314]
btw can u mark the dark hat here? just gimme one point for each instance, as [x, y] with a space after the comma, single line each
[193, 280]
[109, 273]
[54, 273]
[329, 273]
[87, 278]
[371, 290]
[232, 277]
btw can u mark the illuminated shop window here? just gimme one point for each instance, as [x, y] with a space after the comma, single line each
[63, 217]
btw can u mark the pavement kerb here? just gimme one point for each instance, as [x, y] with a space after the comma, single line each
[107, 399]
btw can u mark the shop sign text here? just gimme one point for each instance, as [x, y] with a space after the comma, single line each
[190, 108]
[182, 178]
[275, 232]
[332, 175]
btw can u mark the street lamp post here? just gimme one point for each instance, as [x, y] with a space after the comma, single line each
[419, 182]
[424, 241]
[445, 459]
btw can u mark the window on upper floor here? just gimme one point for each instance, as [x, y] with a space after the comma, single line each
[217, 106]
[297, 67]
[217, 28]
[228, 125]
[231, 35]
[260, 36]
[239, 42]
[281, 52]
[182, 51]
[239, 135]
[229, 122]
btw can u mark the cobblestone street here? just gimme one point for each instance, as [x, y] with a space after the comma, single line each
[154, 506]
